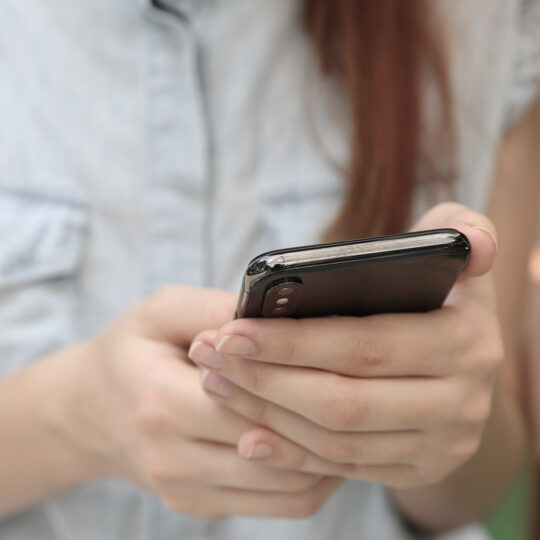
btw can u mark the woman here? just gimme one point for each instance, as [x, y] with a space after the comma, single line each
[151, 143]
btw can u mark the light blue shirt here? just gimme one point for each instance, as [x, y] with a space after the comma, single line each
[142, 145]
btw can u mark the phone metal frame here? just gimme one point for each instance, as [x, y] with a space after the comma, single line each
[312, 255]
[405, 245]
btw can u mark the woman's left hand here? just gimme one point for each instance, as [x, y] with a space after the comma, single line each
[399, 399]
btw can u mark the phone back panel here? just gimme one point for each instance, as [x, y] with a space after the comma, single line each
[387, 283]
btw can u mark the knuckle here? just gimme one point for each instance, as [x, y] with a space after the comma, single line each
[299, 460]
[180, 505]
[464, 448]
[290, 349]
[426, 477]
[153, 306]
[490, 350]
[365, 351]
[164, 472]
[408, 449]
[339, 450]
[152, 416]
[343, 413]
[478, 410]
[155, 302]
[463, 328]
[254, 372]
[305, 504]
[349, 470]
[260, 412]
[302, 482]
[289, 332]
[159, 470]
[325, 415]
[480, 342]
[470, 407]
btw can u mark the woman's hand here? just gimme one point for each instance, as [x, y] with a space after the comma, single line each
[400, 399]
[138, 407]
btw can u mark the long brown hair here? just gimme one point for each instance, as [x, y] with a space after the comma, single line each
[384, 52]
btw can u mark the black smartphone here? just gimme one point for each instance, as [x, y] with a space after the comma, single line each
[410, 272]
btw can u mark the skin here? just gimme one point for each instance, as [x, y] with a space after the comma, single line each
[429, 404]
[476, 488]
[411, 401]
[400, 399]
[533, 350]
[128, 404]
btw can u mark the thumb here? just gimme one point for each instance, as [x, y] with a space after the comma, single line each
[177, 313]
[478, 229]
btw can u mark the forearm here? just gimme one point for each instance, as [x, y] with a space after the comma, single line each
[37, 456]
[476, 488]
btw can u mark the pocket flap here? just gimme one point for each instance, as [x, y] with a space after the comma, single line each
[40, 237]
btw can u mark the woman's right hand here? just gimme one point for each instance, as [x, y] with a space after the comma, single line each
[138, 410]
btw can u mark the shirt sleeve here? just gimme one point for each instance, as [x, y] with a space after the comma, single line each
[524, 86]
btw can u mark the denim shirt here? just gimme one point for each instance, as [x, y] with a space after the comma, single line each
[148, 143]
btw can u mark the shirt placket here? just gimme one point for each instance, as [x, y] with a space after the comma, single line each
[178, 161]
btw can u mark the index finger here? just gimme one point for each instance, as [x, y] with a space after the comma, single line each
[388, 345]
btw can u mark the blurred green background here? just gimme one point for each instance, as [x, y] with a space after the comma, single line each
[511, 520]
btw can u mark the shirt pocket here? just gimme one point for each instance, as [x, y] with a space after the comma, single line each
[41, 250]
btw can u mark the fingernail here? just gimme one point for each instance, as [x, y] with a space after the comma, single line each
[490, 234]
[215, 383]
[193, 347]
[259, 451]
[237, 345]
[205, 355]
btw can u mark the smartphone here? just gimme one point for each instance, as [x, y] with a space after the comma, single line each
[410, 272]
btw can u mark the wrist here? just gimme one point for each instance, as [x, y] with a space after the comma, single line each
[70, 416]
[39, 435]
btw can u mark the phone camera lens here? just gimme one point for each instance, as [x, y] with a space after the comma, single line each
[285, 291]
[279, 310]
[281, 301]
